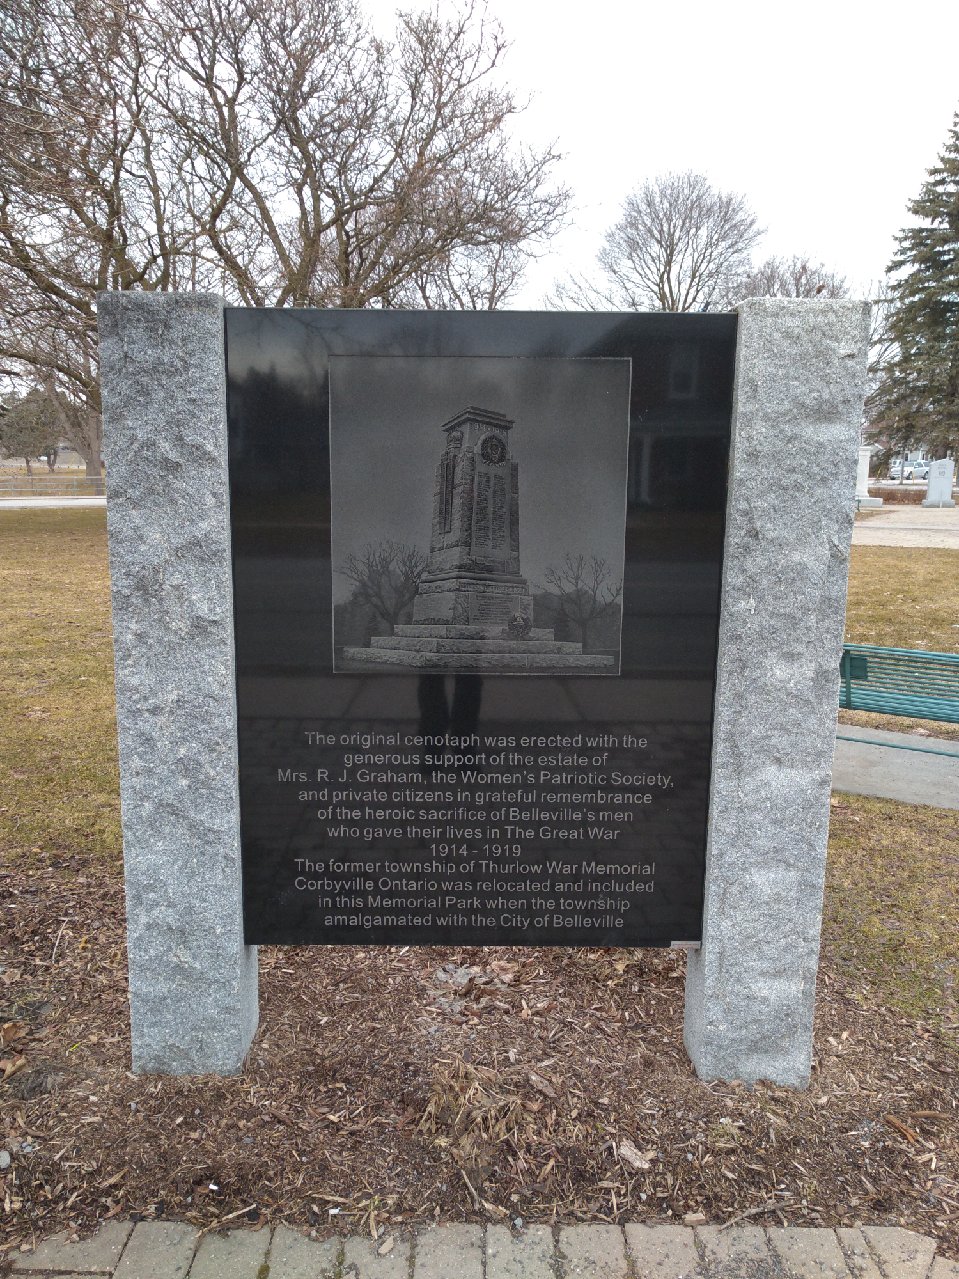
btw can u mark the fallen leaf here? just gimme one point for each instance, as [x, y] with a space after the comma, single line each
[542, 1085]
[636, 1159]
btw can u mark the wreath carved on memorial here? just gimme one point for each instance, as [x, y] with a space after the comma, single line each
[493, 450]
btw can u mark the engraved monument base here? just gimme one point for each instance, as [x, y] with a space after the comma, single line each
[487, 648]
[478, 599]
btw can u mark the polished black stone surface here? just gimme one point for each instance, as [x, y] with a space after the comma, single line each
[401, 868]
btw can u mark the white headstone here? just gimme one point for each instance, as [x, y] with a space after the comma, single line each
[939, 492]
[862, 479]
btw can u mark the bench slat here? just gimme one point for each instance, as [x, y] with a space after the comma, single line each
[897, 681]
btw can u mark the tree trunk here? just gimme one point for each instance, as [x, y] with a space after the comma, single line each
[93, 464]
[29, 467]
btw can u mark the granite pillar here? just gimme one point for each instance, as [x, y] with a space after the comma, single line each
[193, 982]
[750, 990]
[862, 479]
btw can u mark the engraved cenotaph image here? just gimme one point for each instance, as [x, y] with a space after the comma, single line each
[473, 610]
[494, 539]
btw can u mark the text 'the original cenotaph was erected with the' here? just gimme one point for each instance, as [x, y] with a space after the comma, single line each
[473, 609]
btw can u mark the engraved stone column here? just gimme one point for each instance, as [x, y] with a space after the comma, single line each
[862, 479]
[193, 983]
[473, 574]
[750, 990]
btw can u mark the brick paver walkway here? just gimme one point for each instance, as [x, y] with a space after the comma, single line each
[171, 1250]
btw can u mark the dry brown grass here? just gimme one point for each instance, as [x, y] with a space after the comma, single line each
[893, 901]
[900, 724]
[58, 753]
[904, 597]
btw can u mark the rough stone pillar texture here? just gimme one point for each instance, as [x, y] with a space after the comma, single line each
[193, 983]
[750, 990]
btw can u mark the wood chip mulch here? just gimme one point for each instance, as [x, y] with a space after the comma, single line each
[392, 1086]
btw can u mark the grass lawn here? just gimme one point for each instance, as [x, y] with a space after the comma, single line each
[892, 901]
[58, 738]
[58, 751]
[904, 597]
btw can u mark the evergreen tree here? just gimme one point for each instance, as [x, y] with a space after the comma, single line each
[916, 398]
[28, 428]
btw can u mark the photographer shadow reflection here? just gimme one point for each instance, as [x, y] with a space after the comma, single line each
[440, 717]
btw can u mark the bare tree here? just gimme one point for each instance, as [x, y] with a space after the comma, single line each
[882, 349]
[328, 168]
[795, 277]
[271, 150]
[88, 200]
[680, 245]
[385, 577]
[586, 590]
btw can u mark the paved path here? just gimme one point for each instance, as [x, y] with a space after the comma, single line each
[909, 526]
[916, 770]
[172, 1250]
[888, 526]
[48, 503]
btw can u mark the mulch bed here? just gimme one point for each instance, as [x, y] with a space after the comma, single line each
[392, 1086]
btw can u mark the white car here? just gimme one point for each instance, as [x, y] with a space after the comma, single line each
[913, 471]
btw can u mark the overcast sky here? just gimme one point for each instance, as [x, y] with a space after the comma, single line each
[569, 439]
[825, 114]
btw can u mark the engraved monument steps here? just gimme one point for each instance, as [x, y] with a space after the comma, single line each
[473, 610]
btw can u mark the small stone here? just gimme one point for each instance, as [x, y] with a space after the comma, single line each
[4, 1160]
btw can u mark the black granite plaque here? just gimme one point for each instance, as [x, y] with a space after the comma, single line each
[476, 566]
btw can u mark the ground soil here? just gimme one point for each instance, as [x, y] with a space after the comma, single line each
[390, 1086]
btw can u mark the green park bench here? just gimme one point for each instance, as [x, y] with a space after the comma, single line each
[900, 681]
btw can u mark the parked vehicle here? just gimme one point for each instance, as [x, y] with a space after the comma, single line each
[912, 471]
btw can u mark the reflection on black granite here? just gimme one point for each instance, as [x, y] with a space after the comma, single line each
[280, 479]
[459, 718]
